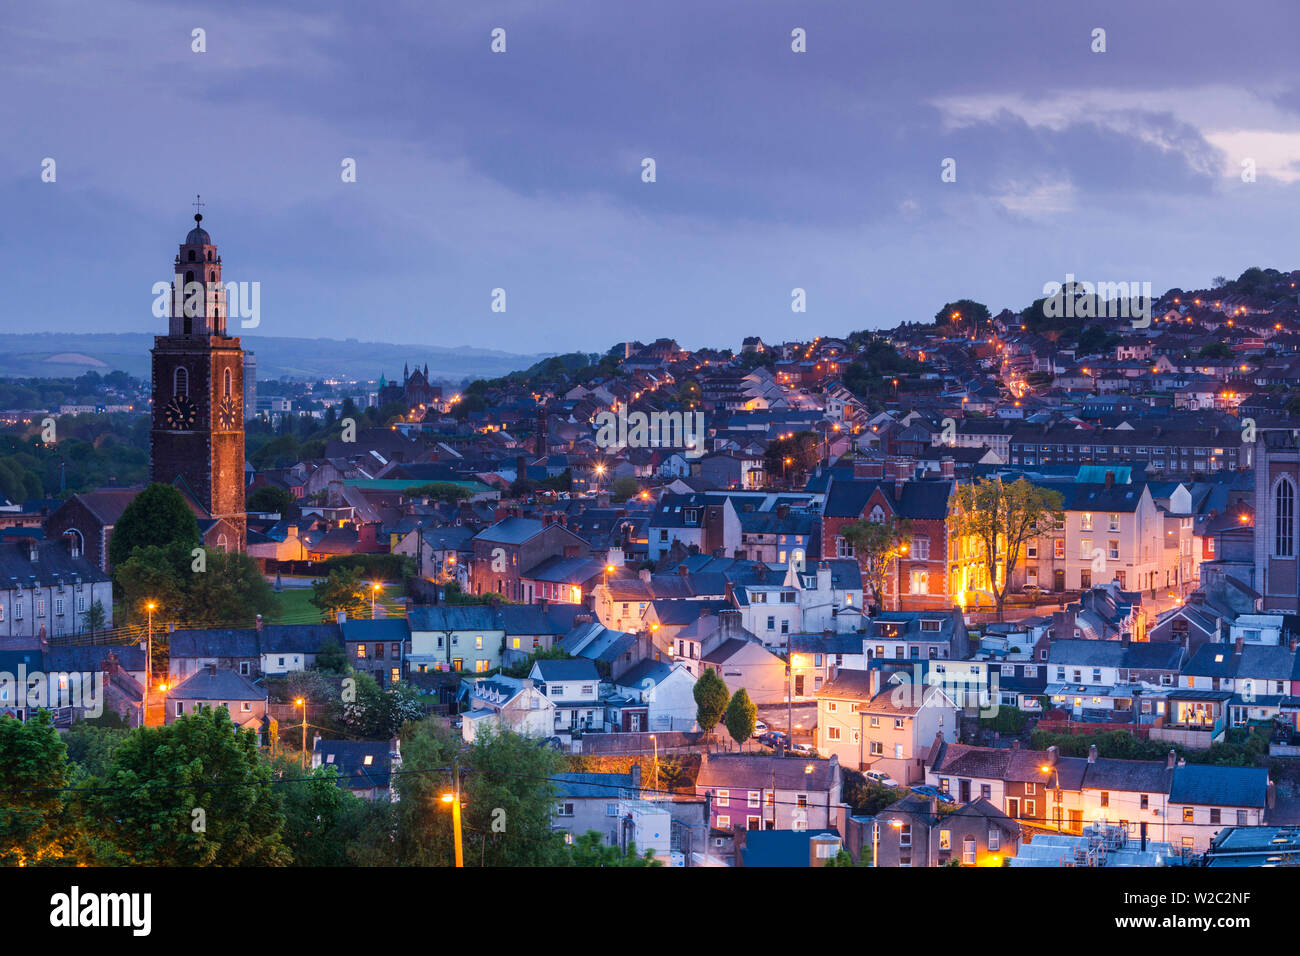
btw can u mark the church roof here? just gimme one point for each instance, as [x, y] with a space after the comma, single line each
[198, 236]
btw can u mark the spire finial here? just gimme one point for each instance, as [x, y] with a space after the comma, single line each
[198, 204]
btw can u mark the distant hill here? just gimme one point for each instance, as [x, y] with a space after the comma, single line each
[55, 354]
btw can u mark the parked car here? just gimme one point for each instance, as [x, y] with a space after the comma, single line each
[1032, 589]
[804, 750]
[928, 791]
[881, 778]
[760, 729]
[773, 739]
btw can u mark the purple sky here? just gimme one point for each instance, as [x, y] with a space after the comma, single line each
[522, 170]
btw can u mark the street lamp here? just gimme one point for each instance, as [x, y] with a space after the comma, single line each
[374, 591]
[656, 743]
[453, 798]
[1053, 769]
[302, 702]
[148, 661]
[875, 839]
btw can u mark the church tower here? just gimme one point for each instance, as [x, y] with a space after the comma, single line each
[198, 394]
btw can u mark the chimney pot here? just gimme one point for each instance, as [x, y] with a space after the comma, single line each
[1092, 753]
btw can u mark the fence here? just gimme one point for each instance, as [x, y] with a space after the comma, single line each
[1077, 728]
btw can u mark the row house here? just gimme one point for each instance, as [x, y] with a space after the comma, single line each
[47, 588]
[766, 792]
[1120, 681]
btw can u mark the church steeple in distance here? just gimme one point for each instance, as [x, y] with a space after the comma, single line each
[197, 439]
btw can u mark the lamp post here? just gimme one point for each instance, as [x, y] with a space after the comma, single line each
[1054, 769]
[148, 662]
[454, 799]
[302, 702]
[656, 743]
[374, 591]
[875, 839]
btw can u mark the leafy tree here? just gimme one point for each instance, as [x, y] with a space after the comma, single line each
[423, 834]
[96, 616]
[962, 313]
[152, 573]
[844, 858]
[157, 516]
[191, 793]
[230, 591]
[33, 820]
[1216, 350]
[623, 488]
[509, 799]
[270, 499]
[325, 824]
[91, 747]
[444, 491]
[590, 849]
[711, 697]
[877, 546]
[378, 713]
[740, 717]
[1002, 519]
[343, 590]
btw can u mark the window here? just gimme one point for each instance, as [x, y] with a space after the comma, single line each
[1215, 815]
[1105, 798]
[1189, 815]
[832, 706]
[875, 721]
[801, 800]
[1114, 523]
[722, 797]
[1031, 789]
[754, 797]
[832, 733]
[564, 810]
[181, 381]
[968, 850]
[945, 839]
[361, 652]
[898, 723]
[1085, 521]
[1284, 519]
[724, 821]
[921, 549]
[995, 838]
[1112, 549]
[905, 835]
[1058, 549]
[877, 750]
[1146, 801]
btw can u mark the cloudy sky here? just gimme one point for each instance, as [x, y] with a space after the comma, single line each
[523, 170]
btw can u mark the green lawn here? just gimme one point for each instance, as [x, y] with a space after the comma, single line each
[296, 606]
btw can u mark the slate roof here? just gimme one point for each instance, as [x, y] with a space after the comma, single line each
[595, 786]
[380, 629]
[654, 671]
[349, 758]
[511, 531]
[54, 564]
[1143, 655]
[755, 772]
[453, 617]
[1212, 785]
[551, 671]
[204, 684]
[1255, 660]
[90, 657]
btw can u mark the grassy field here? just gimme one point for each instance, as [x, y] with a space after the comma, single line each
[296, 606]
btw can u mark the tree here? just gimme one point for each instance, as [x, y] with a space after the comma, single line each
[341, 591]
[1216, 350]
[877, 545]
[623, 488]
[590, 849]
[192, 793]
[740, 717]
[711, 697]
[509, 798]
[326, 825]
[152, 574]
[963, 313]
[377, 713]
[331, 658]
[33, 814]
[269, 499]
[156, 516]
[96, 617]
[423, 822]
[447, 492]
[1002, 518]
[230, 591]
[91, 747]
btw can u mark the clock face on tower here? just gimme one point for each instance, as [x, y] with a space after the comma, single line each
[228, 413]
[180, 413]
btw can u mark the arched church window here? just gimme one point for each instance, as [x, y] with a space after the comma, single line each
[191, 255]
[181, 381]
[1284, 519]
[189, 276]
[226, 383]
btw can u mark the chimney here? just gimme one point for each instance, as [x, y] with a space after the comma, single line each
[873, 681]
[1053, 752]
[681, 569]
[342, 618]
[947, 467]
[729, 595]
[1092, 753]
[1237, 644]
[1110, 479]
[782, 510]
[259, 622]
[212, 670]
[1015, 744]
[1172, 760]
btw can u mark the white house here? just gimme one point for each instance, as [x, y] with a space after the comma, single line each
[668, 691]
[507, 703]
[573, 688]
